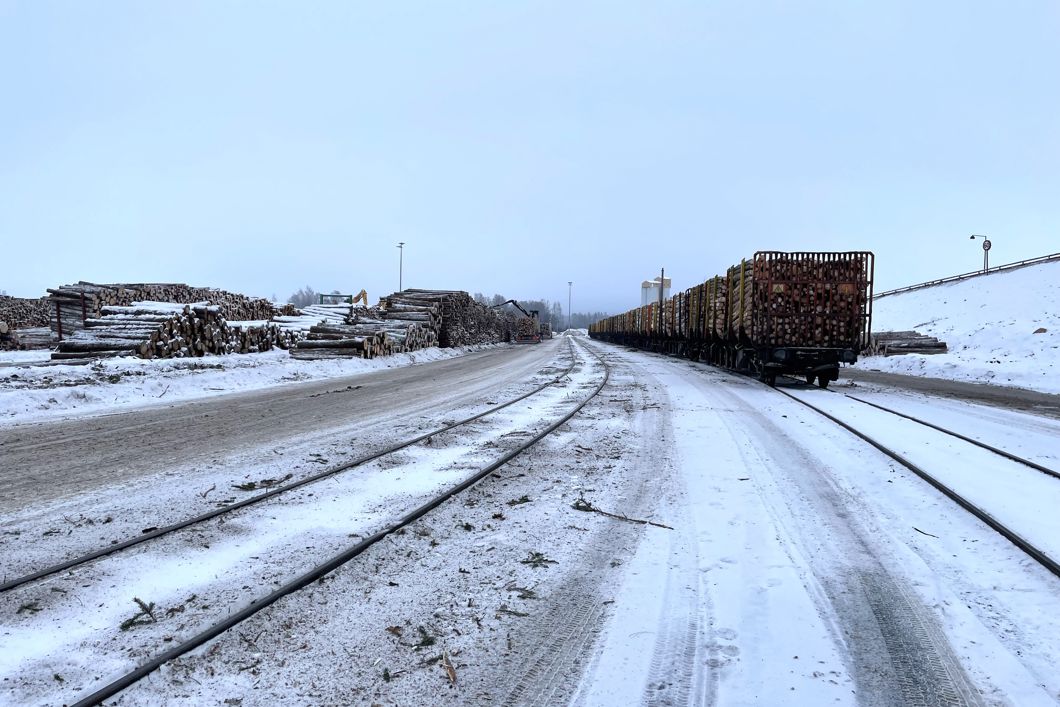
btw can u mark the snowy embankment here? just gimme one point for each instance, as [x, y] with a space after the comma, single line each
[1002, 329]
[29, 393]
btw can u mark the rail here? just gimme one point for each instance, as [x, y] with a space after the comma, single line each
[134, 676]
[195, 520]
[1047, 562]
[967, 275]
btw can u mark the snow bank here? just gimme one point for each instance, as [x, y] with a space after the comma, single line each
[989, 325]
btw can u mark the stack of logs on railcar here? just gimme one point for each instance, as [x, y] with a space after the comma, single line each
[738, 298]
[167, 330]
[71, 306]
[406, 321]
[810, 300]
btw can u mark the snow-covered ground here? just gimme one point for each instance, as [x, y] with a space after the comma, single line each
[794, 564]
[990, 324]
[29, 393]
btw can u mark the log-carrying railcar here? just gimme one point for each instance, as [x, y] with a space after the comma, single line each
[778, 313]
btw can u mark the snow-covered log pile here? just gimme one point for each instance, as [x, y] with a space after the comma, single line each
[406, 321]
[35, 337]
[20, 312]
[150, 330]
[168, 330]
[256, 336]
[299, 322]
[893, 343]
[463, 320]
[71, 306]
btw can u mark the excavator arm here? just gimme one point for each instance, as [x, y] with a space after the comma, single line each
[532, 313]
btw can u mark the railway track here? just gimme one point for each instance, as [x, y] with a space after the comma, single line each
[337, 560]
[986, 473]
[167, 530]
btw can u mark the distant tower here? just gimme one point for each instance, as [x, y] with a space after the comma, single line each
[649, 291]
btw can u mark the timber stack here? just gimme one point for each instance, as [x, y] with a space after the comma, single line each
[257, 336]
[894, 343]
[150, 330]
[21, 312]
[404, 321]
[808, 299]
[71, 306]
[25, 321]
[169, 330]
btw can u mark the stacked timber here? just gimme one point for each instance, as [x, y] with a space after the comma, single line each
[404, 321]
[70, 306]
[894, 343]
[36, 337]
[526, 327]
[150, 330]
[257, 336]
[739, 299]
[21, 312]
[809, 299]
[299, 322]
[717, 314]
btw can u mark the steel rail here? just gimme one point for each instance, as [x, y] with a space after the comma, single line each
[963, 438]
[1044, 560]
[134, 676]
[180, 525]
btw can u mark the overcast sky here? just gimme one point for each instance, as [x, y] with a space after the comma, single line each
[261, 147]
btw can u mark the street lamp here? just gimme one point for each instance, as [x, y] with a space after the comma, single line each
[570, 283]
[401, 263]
[986, 251]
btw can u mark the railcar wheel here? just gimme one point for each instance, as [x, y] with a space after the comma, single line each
[822, 382]
[810, 378]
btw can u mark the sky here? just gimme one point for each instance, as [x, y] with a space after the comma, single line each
[515, 147]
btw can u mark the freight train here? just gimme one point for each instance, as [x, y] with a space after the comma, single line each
[800, 314]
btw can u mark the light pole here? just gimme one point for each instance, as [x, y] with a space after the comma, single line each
[570, 284]
[986, 251]
[401, 263]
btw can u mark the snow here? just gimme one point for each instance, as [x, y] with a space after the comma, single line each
[31, 393]
[799, 565]
[988, 323]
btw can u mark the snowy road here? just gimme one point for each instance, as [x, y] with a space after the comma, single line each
[796, 575]
[799, 565]
[44, 461]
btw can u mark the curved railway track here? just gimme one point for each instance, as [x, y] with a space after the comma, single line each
[272, 493]
[337, 560]
[1017, 538]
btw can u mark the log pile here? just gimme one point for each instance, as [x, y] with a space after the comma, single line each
[813, 299]
[37, 337]
[150, 330]
[404, 321]
[70, 306]
[20, 312]
[257, 336]
[894, 343]
[738, 299]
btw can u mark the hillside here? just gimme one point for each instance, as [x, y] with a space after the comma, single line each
[989, 324]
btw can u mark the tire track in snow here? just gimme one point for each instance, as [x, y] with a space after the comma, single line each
[898, 654]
